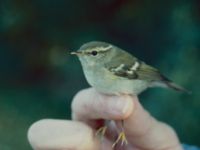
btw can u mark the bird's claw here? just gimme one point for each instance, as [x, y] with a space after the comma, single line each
[121, 137]
[101, 131]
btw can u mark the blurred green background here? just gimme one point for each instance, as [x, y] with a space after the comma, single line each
[38, 77]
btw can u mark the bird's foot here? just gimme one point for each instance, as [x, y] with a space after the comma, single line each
[101, 131]
[121, 137]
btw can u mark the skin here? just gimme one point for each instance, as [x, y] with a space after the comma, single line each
[88, 109]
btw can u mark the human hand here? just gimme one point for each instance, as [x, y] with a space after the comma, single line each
[88, 108]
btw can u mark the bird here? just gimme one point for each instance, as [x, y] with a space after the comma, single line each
[114, 71]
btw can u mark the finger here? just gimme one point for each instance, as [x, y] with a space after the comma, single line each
[62, 135]
[89, 104]
[146, 132]
[142, 129]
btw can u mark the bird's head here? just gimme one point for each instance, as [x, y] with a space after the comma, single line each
[93, 53]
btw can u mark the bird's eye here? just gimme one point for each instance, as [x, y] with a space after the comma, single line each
[94, 53]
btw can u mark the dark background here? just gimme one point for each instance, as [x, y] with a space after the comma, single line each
[38, 77]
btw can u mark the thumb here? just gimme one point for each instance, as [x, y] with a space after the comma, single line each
[145, 132]
[61, 135]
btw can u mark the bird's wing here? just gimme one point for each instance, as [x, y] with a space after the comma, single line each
[147, 72]
[132, 68]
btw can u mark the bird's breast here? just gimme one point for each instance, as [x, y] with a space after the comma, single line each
[106, 82]
[98, 77]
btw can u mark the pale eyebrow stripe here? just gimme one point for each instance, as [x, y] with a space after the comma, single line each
[105, 48]
[100, 49]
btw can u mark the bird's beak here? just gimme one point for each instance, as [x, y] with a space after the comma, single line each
[73, 53]
[76, 53]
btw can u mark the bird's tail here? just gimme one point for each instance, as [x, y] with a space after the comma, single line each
[176, 87]
[169, 84]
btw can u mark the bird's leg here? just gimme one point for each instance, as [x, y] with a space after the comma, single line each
[102, 130]
[121, 137]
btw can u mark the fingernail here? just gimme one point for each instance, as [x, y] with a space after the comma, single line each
[123, 106]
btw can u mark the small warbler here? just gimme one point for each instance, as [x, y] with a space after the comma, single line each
[111, 70]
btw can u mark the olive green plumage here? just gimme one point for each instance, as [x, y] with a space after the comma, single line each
[112, 70]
